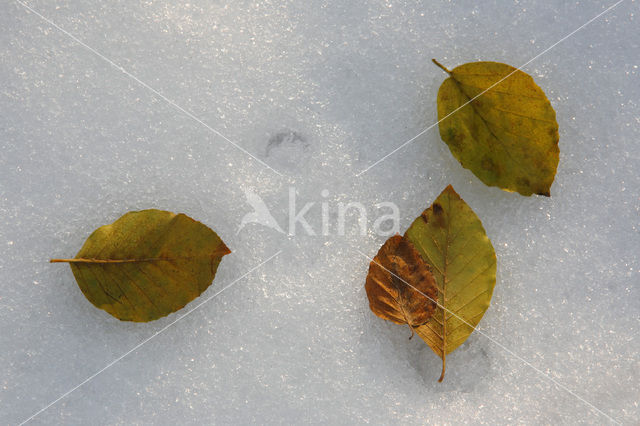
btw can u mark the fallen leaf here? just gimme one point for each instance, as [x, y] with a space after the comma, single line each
[451, 240]
[500, 125]
[147, 264]
[399, 285]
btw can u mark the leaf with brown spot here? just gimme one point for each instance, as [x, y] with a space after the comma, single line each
[451, 239]
[400, 286]
[147, 264]
[500, 125]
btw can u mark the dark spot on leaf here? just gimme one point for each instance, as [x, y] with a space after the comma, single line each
[437, 209]
[455, 139]
[488, 164]
[424, 217]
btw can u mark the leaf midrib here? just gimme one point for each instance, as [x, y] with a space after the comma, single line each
[150, 259]
[445, 256]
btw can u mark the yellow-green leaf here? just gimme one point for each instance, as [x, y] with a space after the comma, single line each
[147, 264]
[451, 240]
[500, 125]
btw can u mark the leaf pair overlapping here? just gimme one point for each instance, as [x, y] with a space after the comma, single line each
[451, 241]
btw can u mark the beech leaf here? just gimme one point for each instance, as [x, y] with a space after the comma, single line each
[452, 241]
[147, 264]
[500, 125]
[400, 286]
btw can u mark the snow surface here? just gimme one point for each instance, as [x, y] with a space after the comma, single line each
[319, 91]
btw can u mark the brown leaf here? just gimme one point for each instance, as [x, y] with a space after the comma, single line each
[400, 286]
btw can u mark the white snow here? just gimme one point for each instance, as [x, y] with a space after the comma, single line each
[319, 91]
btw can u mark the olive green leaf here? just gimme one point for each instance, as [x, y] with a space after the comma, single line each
[451, 240]
[147, 264]
[500, 125]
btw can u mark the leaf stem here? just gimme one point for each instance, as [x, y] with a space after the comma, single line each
[444, 364]
[441, 66]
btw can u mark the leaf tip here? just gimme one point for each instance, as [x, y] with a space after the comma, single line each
[221, 251]
[449, 190]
